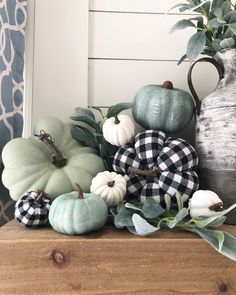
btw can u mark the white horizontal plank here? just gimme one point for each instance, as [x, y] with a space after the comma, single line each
[150, 6]
[136, 36]
[111, 82]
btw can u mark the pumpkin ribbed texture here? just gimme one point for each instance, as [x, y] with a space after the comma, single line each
[73, 216]
[163, 109]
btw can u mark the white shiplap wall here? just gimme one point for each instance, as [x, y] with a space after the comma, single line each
[100, 52]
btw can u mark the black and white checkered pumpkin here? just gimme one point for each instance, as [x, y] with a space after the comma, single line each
[169, 165]
[32, 209]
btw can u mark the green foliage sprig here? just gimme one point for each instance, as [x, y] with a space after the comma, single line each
[92, 135]
[147, 218]
[215, 25]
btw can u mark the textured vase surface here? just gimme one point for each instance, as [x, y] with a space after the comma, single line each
[216, 135]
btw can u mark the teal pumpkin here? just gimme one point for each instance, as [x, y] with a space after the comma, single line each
[163, 108]
[78, 213]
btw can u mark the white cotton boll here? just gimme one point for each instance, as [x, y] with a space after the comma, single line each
[204, 203]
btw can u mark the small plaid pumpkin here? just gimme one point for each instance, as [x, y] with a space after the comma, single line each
[32, 209]
[154, 165]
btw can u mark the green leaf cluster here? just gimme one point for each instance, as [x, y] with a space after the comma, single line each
[215, 26]
[88, 131]
[149, 217]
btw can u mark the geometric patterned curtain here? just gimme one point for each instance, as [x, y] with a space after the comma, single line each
[12, 48]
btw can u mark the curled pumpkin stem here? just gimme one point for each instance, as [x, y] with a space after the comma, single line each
[146, 173]
[58, 160]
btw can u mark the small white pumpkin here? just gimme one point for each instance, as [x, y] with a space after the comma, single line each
[110, 186]
[118, 130]
[204, 203]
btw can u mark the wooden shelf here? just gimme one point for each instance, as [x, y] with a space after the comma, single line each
[111, 262]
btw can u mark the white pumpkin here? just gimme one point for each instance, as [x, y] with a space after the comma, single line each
[204, 203]
[118, 130]
[110, 186]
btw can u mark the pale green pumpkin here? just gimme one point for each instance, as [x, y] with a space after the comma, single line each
[163, 108]
[29, 162]
[78, 213]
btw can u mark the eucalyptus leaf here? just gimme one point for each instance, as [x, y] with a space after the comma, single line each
[102, 151]
[182, 24]
[178, 5]
[184, 8]
[179, 201]
[152, 209]
[182, 59]
[232, 28]
[226, 8]
[123, 218]
[132, 230]
[167, 199]
[223, 242]
[135, 207]
[99, 110]
[216, 45]
[230, 17]
[116, 109]
[84, 112]
[204, 221]
[224, 212]
[142, 227]
[83, 135]
[195, 45]
[227, 43]
[218, 222]
[85, 119]
[111, 149]
[178, 218]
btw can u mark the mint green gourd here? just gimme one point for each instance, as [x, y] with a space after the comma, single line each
[77, 213]
[50, 161]
[163, 108]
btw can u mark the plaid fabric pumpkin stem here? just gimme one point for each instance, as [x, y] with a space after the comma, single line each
[154, 165]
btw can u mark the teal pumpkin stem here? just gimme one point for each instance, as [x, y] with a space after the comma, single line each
[81, 193]
[168, 85]
[58, 160]
[146, 173]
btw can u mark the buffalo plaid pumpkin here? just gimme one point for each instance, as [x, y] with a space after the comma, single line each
[154, 165]
[32, 209]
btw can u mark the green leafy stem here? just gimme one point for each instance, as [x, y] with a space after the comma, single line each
[147, 218]
[88, 131]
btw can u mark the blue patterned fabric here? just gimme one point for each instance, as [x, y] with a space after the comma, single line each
[12, 47]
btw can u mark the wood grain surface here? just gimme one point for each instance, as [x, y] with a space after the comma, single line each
[111, 262]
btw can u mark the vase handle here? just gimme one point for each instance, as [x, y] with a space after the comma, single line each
[220, 71]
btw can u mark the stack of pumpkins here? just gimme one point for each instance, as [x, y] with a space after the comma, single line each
[52, 166]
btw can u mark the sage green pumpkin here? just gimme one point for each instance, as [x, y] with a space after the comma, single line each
[75, 215]
[30, 166]
[163, 108]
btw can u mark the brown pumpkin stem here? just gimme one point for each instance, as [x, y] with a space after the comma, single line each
[146, 173]
[111, 183]
[41, 195]
[79, 189]
[117, 121]
[217, 207]
[58, 160]
[167, 85]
